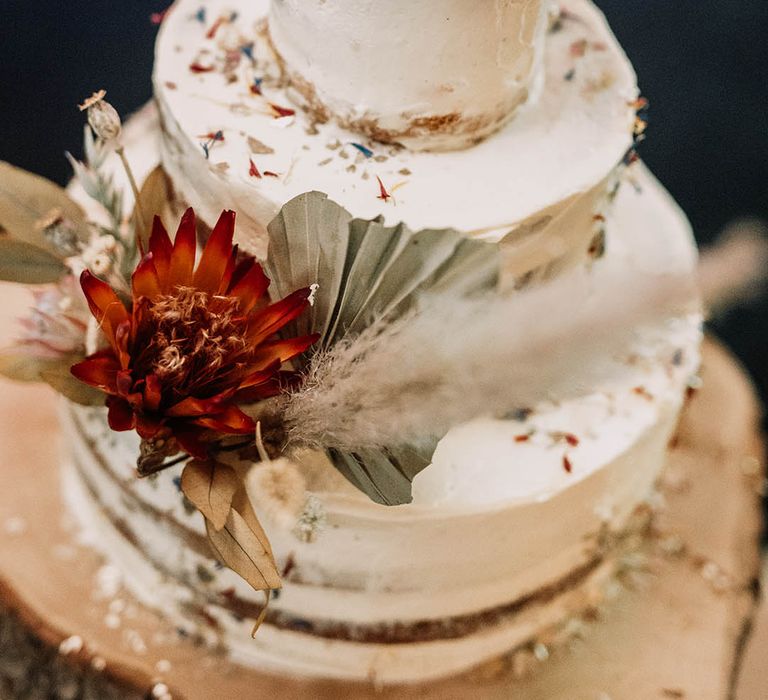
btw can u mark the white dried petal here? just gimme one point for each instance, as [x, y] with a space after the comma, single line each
[311, 521]
[277, 491]
[71, 645]
[160, 691]
[109, 580]
[163, 666]
[136, 642]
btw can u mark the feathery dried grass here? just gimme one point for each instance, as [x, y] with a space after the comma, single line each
[456, 359]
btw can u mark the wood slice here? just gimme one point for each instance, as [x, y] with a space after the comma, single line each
[676, 628]
[753, 680]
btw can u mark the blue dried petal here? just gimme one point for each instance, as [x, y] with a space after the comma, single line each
[367, 152]
[247, 50]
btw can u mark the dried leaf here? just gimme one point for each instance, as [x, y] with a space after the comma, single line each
[154, 196]
[17, 364]
[385, 476]
[242, 504]
[258, 147]
[367, 271]
[210, 486]
[27, 199]
[23, 367]
[243, 546]
[308, 245]
[60, 378]
[26, 263]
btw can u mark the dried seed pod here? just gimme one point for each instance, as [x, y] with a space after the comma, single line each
[103, 117]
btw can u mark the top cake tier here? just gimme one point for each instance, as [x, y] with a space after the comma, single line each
[434, 75]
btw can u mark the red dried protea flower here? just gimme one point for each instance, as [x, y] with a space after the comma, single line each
[194, 342]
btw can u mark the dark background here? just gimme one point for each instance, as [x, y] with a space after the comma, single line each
[703, 64]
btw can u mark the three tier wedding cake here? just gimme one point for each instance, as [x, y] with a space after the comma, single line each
[442, 448]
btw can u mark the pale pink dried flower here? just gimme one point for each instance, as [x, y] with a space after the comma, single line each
[56, 324]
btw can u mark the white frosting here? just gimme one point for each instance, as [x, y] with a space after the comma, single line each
[494, 519]
[507, 511]
[370, 65]
[293, 653]
[541, 177]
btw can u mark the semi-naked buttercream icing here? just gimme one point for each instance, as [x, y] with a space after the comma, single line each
[537, 184]
[519, 524]
[370, 66]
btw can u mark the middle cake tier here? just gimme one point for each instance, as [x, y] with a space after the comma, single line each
[233, 137]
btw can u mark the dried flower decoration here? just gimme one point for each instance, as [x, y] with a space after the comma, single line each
[105, 122]
[192, 343]
[56, 323]
[102, 116]
[277, 489]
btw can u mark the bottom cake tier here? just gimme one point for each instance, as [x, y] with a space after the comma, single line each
[677, 626]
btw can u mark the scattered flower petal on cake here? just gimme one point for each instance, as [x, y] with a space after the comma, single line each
[383, 194]
[213, 136]
[258, 147]
[212, 139]
[197, 67]
[211, 33]
[247, 51]
[367, 152]
[281, 111]
[255, 86]
[579, 48]
[571, 439]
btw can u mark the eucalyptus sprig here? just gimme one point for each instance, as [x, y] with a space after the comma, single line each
[98, 184]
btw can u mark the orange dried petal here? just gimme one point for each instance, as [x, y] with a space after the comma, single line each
[216, 254]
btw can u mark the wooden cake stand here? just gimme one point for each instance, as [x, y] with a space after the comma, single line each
[677, 628]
